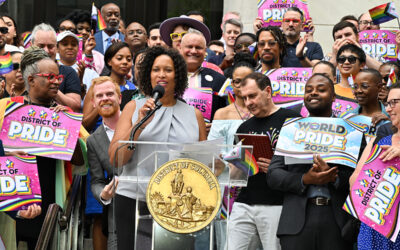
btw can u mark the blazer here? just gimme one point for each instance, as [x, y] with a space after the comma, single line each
[97, 153]
[98, 36]
[287, 178]
[214, 80]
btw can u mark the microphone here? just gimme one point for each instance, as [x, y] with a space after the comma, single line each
[157, 94]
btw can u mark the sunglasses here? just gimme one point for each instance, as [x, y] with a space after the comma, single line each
[52, 77]
[176, 36]
[271, 43]
[350, 59]
[15, 66]
[3, 30]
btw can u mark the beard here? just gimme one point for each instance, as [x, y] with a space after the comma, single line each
[317, 110]
[112, 27]
[268, 62]
[108, 112]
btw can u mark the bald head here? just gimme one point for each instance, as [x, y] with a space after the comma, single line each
[194, 33]
[193, 49]
[136, 36]
[111, 14]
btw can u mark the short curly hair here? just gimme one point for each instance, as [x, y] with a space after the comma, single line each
[146, 65]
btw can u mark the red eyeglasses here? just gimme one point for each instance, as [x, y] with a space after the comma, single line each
[52, 77]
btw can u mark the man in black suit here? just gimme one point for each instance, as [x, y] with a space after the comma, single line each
[193, 49]
[106, 99]
[314, 193]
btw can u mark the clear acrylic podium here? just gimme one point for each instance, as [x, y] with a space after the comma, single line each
[147, 158]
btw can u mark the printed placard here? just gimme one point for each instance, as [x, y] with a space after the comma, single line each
[339, 106]
[379, 44]
[19, 183]
[374, 198]
[365, 122]
[288, 86]
[200, 98]
[40, 131]
[272, 11]
[335, 139]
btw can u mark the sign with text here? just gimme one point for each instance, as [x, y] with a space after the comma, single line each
[40, 131]
[288, 86]
[374, 198]
[200, 98]
[272, 11]
[335, 139]
[379, 44]
[365, 122]
[19, 183]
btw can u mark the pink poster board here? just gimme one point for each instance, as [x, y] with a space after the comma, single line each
[379, 44]
[374, 198]
[40, 131]
[272, 11]
[200, 98]
[19, 183]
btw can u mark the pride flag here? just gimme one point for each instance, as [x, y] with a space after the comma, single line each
[383, 13]
[251, 163]
[392, 78]
[27, 39]
[96, 16]
[6, 65]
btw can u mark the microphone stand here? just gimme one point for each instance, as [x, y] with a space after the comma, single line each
[149, 114]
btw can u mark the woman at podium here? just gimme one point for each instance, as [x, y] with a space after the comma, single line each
[175, 122]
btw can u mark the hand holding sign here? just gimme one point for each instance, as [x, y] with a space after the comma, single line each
[263, 164]
[390, 153]
[32, 212]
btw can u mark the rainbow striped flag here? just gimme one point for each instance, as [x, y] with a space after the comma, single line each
[383, 13]
[392, 78]
[251, 163]
[27, 39]
[96, 16]
[6, 65]
[231, 99]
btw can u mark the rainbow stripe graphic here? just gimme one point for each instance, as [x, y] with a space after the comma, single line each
[349, 208]
[392, 78]
[27, 40]
[375, 152]
[383, 13]
[226, 88]
[231, 99]
[5, 64]
[27, 159]
[74, 116]
[19, 203]
[251, 163]
[11, 106]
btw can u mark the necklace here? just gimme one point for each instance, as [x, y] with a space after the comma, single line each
[246, 115]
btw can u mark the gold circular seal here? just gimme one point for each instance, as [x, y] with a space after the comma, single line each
[183, 196]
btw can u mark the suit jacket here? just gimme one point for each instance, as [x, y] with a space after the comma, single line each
[98, 36]
[98, 159]
[214, 80]
[288, 178]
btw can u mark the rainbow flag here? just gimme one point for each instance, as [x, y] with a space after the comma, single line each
[27, 39]
[6, 65]
[251, 163]
[392, 78]
[96, 16]
[231, 99]
[383, 13]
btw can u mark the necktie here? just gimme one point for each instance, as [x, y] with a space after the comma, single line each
[109, 43]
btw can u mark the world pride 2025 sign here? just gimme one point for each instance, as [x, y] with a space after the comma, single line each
[19, 183]
[40, 131]
[335, 139]
[374, 196]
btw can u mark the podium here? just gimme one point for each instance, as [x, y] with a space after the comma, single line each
[135, 173]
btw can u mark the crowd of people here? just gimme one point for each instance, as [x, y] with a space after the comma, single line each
[109, 76]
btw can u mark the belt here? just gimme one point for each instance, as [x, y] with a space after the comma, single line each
[320, 201]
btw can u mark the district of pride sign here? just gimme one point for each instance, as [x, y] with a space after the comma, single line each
[272, 11]
[200, 98]
[335, 139]
[379, 44]
[374, 197]
[40, 131]
[19, 183]
[288, 86]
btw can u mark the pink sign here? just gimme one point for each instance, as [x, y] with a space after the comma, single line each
[40, 131]
[272, 11]
[374, 197]
[339, 106]
[288, 86]
[379, 44]
[19, 183]
[200, 98]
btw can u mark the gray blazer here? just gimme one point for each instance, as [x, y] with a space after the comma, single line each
[97, 152]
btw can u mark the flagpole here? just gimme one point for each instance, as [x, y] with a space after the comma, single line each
[398, 22]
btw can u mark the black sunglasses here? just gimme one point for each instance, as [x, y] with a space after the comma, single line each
[3, 30]
[351, 59]
[15, 66]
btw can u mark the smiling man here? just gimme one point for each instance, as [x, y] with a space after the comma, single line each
[312, 216]
[112, 15]
[193, 49]
[257, 209]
